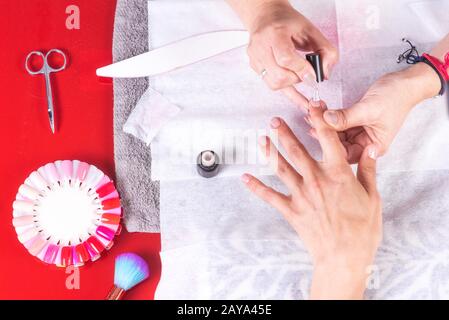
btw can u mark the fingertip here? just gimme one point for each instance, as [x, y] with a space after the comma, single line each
[245, 178]
[275, 122]
[372, 152]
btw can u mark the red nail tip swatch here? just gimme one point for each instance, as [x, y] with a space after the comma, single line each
[81, 253]
[106, 189]
[66, 256]
[110, 218]
[111, 203]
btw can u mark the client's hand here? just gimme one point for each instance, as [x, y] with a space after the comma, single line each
[336, 214]
[378, 116]
[277, 31]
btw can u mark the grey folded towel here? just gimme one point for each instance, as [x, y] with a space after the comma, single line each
[140, 195]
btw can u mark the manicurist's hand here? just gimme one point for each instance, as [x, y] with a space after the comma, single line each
[335, 213]
[277, 32]
[379, 115]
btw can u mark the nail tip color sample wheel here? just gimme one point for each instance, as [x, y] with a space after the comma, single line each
[67, 213]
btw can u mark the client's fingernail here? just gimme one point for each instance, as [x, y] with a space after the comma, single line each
[245, 178]
[372, 152]
[275, 123]
[310, 80]
[263, 141]
[331, 117]
[315, 104]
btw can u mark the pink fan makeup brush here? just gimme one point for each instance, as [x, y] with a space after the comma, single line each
[130, 270]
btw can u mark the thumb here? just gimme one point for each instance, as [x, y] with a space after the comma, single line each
[366, 170]
[345, 119]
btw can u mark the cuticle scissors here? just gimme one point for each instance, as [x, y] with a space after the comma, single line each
[46, 70]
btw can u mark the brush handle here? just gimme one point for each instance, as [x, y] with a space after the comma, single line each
[115, 293]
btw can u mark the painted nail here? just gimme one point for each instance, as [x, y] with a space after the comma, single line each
[105, 233]
[23, 220]
[67, 169]
[28, 192]
[66, 256]
[245, 178]
[83, 168]
[315, 104]
[81, 253]
[51, 253]
[263, 141]
[106, 189]
[110, 203]
[23, 206]
[310, 80]
[275, 123]
[38, 181]
[51, 173]
[372, 152]
[331, 117]
[109, 218]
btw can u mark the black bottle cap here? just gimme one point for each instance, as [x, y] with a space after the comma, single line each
[208, 164]
[315, 60]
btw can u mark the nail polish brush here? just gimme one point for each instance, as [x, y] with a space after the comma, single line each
[315, 60]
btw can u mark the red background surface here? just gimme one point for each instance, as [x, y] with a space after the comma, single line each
[83, 109]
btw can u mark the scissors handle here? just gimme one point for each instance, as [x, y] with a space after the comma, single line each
[46, 68]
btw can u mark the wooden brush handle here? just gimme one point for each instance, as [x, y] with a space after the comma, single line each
[115, 293]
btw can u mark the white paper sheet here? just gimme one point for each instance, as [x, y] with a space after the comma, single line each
[243, 249]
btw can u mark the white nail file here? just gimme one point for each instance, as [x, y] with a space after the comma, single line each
[176, 55]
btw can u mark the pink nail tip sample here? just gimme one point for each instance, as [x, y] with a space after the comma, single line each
[67, 169]
[105, 232]
[23, 206]
[23, 220]
[105, 179]
[46, 193]
[28, 234]
[52, 173]
[37, 246]
[51, 254]
[38, 181]
[83, 168]
[28, 192]
[94, 175]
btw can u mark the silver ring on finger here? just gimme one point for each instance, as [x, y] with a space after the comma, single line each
[263, 73]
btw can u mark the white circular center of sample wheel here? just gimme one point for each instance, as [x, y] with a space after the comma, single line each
[207, 158]
[66, 212]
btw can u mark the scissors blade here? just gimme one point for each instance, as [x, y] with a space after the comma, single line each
[52, 121]
[176, 55]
